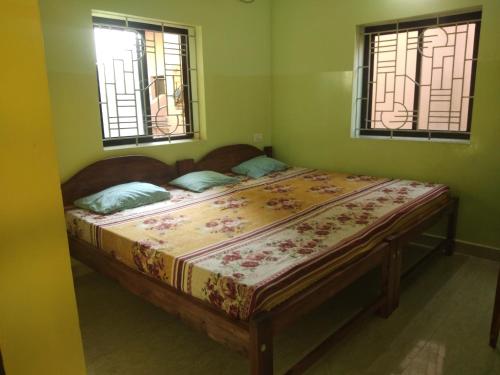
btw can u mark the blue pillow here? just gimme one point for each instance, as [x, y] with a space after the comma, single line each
[201, 181]
[259, 166]
[122, 197]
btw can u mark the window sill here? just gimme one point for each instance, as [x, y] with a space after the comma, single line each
[413, 139]
[151, 144]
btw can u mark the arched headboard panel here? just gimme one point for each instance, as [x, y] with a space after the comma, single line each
[113, 171]
[222, 159]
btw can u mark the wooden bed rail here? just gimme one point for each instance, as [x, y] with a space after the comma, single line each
[113, 171]
[387, 256]
[122, 169]
[201, 316]
[399, 240]
[253, 338]
[266, 325]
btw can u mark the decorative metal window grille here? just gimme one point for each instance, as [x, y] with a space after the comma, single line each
[418, 78]
[147, 81]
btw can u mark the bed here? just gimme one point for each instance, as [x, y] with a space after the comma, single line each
[242, 262]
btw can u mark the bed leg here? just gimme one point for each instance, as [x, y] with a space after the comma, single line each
[394, 276]
[495, 321]
[386, 310]
[451, 228]
[260, 349]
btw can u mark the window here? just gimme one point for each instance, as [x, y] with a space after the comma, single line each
[417, 78]
[147, 81]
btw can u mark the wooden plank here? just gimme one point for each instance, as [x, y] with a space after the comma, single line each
[254, 338]
[217, 325]
[289, 311]
[400, 239]
[452, 227]
[335, 338]
[419, 226]
[224, 158]
[395, 264]
[184, 166]
[495, 320]
[260, 348]
[268, 150]
[114, 171]
[385, 310]
[2, 370]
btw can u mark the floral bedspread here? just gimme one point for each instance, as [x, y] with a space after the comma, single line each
[246, 248]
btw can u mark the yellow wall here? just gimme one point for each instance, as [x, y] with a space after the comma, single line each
[313, 46]
[39, 331]
[236, 55]
[312, 70]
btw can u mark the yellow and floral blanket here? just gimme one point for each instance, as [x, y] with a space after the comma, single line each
[246, 248]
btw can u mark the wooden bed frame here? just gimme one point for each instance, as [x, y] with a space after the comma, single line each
[253, 338]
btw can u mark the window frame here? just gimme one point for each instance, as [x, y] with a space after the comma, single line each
[363, 123]
[142, 27]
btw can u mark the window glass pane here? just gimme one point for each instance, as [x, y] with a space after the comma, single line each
[418, 78]
[118, 55]
[144, 77]
[165, 77]
[393, 90]
[447, 54]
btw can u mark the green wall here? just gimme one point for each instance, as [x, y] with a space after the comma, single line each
[236, 54]
[285, 67]
[312, 59]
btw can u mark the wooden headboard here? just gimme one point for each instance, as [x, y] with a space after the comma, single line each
[119, 170]
[113, 171]
[222, 159]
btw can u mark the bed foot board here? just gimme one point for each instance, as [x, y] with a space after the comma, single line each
[397, 243]
[260, 351]
[336, 337]
[263, 328]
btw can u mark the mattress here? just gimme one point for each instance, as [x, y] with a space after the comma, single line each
[248, 247]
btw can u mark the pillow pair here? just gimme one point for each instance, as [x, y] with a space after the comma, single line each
[255, 168]
[136, 194]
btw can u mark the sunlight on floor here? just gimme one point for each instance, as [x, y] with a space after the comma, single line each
[426, 358]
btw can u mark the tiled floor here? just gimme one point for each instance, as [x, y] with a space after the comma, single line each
[441, 327]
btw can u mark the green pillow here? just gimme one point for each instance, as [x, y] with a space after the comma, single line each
[121, 197]
[201, 181]
[259, 166]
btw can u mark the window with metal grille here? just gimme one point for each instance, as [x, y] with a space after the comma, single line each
[147, 81]
[417, 78]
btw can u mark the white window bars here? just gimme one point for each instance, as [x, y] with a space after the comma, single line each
[147, 78]
[416, 78]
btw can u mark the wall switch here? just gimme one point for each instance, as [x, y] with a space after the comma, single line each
[258, 137]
